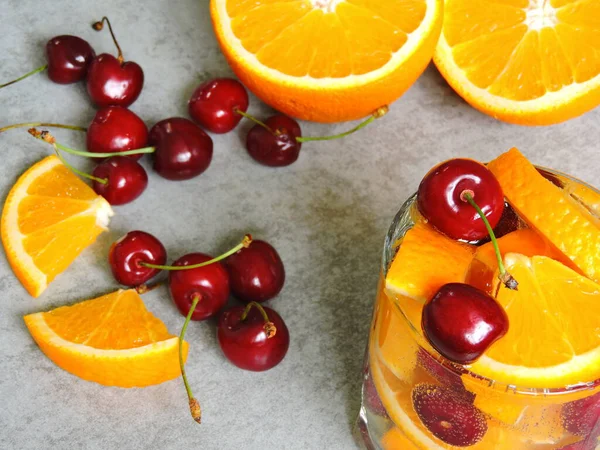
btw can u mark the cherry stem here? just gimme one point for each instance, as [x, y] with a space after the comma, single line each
[505, 277]
[244, 244]
[269, 326]
[33, 72]
[41, 124]
[194, 404]
[379, 112]
[79, 172]
[98, 26]
[47, 137]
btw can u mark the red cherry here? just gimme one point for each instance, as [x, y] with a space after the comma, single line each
[111, 82]
[126, 180]
[276, 146]
[248, 342]
[127, 253]
[461, 322]
[211, 282]
[439, 198]
[214, 103]
[447, 416]
[581, 416]
[256, 273]
[183, 149]
[116, 129]
[371, 397]
[444, 375]
[68, 58]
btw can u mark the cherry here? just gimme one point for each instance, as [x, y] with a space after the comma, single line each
[581, 416]
[183, 150]
[113, 81]
[256, 273]
[461, 322]
[68, 58]
[210, 282]
[444, 375]
[440, 198]
[447, 416]
[125, 180]
[214, 104]
[371, 397]
[116, 129]
[129, 251]
[275, 142]
[253, 337]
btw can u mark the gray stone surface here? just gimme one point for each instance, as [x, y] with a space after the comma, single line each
[326, 214]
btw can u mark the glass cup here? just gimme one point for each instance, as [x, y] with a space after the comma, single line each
[399, 363]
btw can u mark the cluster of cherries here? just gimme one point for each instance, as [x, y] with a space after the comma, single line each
[253, 337]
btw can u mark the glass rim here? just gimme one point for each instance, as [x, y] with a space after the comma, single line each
[395, 231]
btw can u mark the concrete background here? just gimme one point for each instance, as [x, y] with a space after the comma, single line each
[326, 215]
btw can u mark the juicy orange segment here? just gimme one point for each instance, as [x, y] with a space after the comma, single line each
[112, 340]
[563, 221]
[425, 261]
[527, 62]
[49, 218]
[311, 60]
[551, 342]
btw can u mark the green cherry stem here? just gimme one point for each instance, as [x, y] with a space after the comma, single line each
[98, 26]
[45, 136]
[269, 326]
[28, 74]
[195, 409]
[506, 278]
[379, 112]
[77, 171]
[41, 124]
[244, 244]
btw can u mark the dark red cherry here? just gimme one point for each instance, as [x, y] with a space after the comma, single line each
[440, 200]
[256, 272]
[126, 180]
[110, 82]
[68, 58]
[444, 375]
[581, 416]
[116, 129]
[461, 322]
[276, 146]
[127, 253]
[183, 149]
[246, 343]
[213, 104]
[447, 416]
[371, 397]
[211, 282]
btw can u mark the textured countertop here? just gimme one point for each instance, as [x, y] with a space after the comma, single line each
[326, 214]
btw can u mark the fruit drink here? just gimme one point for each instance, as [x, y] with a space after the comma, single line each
[537, 384]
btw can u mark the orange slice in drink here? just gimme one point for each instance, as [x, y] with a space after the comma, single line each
[522, 61]
[553, 339]
[112, 340]
[552, 212]
[49, 218]
[327, 60]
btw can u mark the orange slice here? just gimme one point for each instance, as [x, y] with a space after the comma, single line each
[562, 220]
[112, 340]
[553, 339]
[527, 62]
[327, 60]
[50, 216]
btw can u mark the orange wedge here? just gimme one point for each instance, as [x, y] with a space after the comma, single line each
[112, 340]
[552, 212]
[49, 218]
[327, 60]
[531, 62]
[553, 339]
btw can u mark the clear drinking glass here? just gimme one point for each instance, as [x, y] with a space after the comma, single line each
[398, 360]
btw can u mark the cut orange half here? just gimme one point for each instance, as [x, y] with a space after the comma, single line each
[327, 60]
[112, 340]
[530, 62]
[50, 216]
